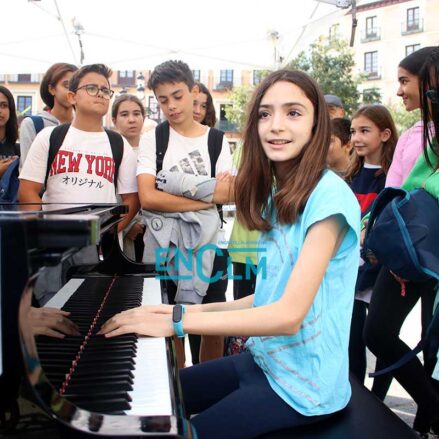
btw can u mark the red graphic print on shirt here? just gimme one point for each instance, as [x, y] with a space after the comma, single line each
[365, 200]
[68, 161]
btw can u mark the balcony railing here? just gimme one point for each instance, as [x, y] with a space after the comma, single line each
[412, 27]
[24, 78]
[371, 34]
[370, 75]
[225, 125]
[224, 85]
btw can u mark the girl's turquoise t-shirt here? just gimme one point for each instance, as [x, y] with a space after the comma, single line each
[310, 370]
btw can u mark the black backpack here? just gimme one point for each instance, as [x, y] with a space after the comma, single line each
[214, 145]
[58, 135]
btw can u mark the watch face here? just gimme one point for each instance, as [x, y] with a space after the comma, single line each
[177, 313]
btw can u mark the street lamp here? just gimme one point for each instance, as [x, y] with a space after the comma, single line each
[140, 87]
[344, 4]
[274, 36]
[79, 30]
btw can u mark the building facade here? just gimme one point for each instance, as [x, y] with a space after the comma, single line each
[25, 88]
[387, 31]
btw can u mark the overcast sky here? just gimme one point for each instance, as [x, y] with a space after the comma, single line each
[138, 34]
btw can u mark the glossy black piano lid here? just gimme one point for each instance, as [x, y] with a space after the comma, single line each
[40, 227]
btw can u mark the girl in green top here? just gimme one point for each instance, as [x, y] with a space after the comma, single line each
[388, 308]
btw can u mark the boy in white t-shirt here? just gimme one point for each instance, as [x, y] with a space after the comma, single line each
[82, 171]
[173, 85]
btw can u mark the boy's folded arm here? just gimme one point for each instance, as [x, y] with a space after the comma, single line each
[224, 191]
[153, 199]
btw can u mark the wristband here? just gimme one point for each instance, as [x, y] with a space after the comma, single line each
[177, 319]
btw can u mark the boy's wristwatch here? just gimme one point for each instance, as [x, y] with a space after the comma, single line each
[177, 319]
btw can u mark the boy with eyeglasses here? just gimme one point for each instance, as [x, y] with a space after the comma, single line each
[83, 169]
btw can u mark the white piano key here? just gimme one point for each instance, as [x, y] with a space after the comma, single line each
[64, 294]
[152, 394]
[152, 294]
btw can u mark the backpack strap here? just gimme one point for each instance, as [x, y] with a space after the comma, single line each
[38, 122]
[429, 341]
[161, 143]
[215, 144]
[116, 143]
[57, 137]
[380, 202]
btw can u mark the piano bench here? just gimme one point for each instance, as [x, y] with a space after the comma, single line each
[365, 417]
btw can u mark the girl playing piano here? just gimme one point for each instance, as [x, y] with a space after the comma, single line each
[298, 319]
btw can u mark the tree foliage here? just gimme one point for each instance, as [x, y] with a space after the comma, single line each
[404, 119]
[239, 98]
[371, 96]
[236, 110]
[331, 63]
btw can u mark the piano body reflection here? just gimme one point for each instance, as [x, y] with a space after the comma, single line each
[127, 386]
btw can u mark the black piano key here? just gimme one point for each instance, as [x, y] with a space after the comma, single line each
[99, 367]
[96, 396]
[90, 379]
[84, 388]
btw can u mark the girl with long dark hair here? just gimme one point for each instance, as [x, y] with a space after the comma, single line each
[9, 149]
[204, 110]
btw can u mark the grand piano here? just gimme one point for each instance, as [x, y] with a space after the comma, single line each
[124, 387]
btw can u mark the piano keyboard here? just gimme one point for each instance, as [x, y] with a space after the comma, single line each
[124, 375]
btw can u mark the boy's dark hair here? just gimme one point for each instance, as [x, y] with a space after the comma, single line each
[171, 72]
[51, 78]
[11, 129]
[341, 128]
[124, 98]
[100, 69]
[414, 62]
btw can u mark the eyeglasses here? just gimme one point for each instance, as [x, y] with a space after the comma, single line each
[433, 95]
[93, 90]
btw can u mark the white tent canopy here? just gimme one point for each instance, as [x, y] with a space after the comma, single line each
[136, 34]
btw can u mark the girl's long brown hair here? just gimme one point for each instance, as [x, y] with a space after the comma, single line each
[258, 189]
[380, 116]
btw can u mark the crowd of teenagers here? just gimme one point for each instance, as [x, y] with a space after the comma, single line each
[302, 181]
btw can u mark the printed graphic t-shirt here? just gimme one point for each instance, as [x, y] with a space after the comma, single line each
[82, 171]
[310, 370]
[184, 154]
[366, 186]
